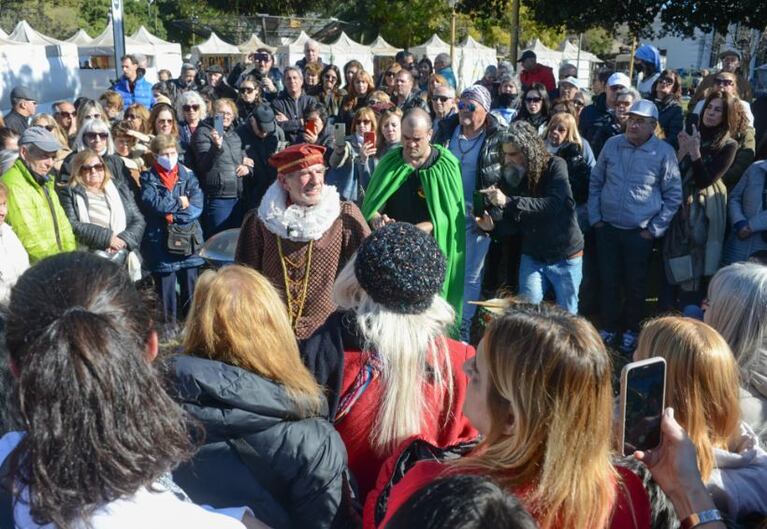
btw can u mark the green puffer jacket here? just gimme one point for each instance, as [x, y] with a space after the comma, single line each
[36, 215]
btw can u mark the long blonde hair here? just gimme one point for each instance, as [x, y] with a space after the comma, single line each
[238, 318]
[550, 372]
[413, 352]
[568, 120]
[701, 381]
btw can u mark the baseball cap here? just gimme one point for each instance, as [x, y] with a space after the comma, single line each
[619, 79]
[41, 138]
[22, 92]
[527, 54]
[570, 80]
[264, 116]
[730, 51]
[644, 108]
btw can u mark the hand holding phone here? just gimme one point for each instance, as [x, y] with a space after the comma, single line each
[218, 124]
[369, 138]
[642, 401]
[339, 133]
[310, 127]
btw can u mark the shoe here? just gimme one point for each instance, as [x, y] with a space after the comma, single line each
[608, 337]
[628, 342]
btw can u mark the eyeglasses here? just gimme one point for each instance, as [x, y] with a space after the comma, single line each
[49, 128]
[390, 74]
[262, 57]
[188, 108]
[364, 122]
[331, 78]
[471, 107]
[133, 116]
[533, 99]
[66, 114]
[724, 82]
[93, 116]
[577, 103]
[95, 167]
[441, 99]
[97, 135]
[247, 89]
[164, 121]
[665, 80]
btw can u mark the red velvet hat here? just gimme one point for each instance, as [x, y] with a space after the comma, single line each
[297, 157]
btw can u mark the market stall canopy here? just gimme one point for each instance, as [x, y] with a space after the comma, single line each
[585, 62]
[80, 38]
[380, 47]
[289, 54]
[3, 34]
[167, 55]
[254, 43]
[473, 58]
[344, 49]
[546, 55]
[104, 45]
[431, 48]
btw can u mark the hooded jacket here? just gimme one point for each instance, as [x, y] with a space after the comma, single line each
[296, 466]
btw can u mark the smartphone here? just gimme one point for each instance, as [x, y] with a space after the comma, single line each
[642, 401]
[310, 127]
[218, 124]
[339, 133]
[478, 204]
[369, 137]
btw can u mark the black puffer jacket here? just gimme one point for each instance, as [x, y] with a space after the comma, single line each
[216, 167]
[297, 467]
[97, 237]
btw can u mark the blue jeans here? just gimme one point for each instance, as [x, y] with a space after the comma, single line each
[477, 245]
[564, 277]
[221, 214]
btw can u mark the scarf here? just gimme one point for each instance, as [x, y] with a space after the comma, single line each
[299, 223]
[444, 198]
[168, 178]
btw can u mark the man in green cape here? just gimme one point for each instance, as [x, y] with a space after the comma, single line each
[420, 183]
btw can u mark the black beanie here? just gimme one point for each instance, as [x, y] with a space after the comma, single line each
[401, 267]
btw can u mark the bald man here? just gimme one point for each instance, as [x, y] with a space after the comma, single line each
[420, 183]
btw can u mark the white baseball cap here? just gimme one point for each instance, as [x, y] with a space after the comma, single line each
[644, 108]
[619, 79]
[571, 80]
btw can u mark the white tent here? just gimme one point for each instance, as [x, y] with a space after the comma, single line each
[215, 50]
[585, 62]
[254, 43]
[472, 61]
[546, 55]
[39, 67]
[344, 49]
[431, 48]
[289, 54]
[381, 48]
[3, 34]
[167, 55]
[80, 38]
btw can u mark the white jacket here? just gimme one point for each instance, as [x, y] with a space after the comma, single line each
[146, 509]
[13, 261]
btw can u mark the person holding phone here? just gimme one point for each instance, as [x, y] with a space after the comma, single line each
[703, 388]
[352, 160]
[546, 421]
[317, 128]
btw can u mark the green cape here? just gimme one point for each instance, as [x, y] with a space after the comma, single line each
[444, 198]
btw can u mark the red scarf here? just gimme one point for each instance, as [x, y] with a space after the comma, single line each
[168, 178]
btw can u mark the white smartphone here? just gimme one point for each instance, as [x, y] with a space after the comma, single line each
[339, 133]
[642, 401]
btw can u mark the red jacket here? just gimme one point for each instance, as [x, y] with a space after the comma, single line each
[540, 74]
[632, 510]
[448, 427]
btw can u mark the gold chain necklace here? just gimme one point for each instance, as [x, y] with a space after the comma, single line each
[295, 306]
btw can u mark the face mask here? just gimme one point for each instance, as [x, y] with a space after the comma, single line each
[506, 100]
[167, 161]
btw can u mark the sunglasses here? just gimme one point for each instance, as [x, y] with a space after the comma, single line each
[331, 78]
[165, 121]
[95, 135]
[67, 114]
[247, 89]
[390, 74]
[88, 168]
[724, 82]
[441, 99]
[262, 58]
[471, 107]
[364, 122]
[49, 128]
[665, 80]
[186, 108]
[533, 99]
[132, 116]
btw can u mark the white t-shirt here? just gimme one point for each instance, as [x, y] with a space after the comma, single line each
[144, 510]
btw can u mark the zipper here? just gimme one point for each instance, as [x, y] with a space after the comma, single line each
[53, 215]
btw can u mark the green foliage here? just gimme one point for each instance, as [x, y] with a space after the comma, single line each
[598, 41]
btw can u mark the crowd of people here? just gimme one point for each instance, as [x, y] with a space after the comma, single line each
[340, 373]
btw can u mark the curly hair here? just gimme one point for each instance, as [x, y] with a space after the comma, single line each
[524, 136]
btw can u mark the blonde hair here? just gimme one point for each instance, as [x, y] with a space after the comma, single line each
[737, 297]
[413, 352]
[46, 120]
[701, 381]
[238, 318]
[218, 103]
[550, 372]
[162, 142]
[79, 160]
[568, 120]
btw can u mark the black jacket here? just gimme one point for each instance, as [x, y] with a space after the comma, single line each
[296, 467]
[259, 150]
[97, 237]
[670, 119]
[547, 220]
[216, 167]
[597, 124]
[294, 110]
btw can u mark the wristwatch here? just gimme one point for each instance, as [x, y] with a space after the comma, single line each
[699, 518]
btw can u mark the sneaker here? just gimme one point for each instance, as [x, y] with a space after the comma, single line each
[628, 342]
[608, 337]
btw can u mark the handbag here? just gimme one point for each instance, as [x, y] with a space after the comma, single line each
[183, 239]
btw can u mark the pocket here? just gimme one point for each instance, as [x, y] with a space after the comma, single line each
[680, 269]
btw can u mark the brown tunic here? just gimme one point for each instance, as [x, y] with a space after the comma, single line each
[257, 247]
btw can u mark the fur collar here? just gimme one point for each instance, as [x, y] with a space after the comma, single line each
[298, 223]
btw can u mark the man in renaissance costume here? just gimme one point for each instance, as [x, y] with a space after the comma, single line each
[301, 236]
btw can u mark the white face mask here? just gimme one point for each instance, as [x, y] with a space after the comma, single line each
[167, 161]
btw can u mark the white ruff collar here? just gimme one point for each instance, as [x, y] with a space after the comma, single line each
[299, 223]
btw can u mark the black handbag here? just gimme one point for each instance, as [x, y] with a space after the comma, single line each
[183, 239]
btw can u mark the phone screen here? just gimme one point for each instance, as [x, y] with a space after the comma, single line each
[644, 387]
[218, 123]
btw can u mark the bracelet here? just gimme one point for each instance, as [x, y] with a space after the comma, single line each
[700, 518]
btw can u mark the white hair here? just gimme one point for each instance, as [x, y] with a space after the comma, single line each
[93, 125]
[737, 298]
[191, 98]
[413, 352]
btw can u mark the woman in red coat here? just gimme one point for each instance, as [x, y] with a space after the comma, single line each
[402, 375]
[540, 392]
